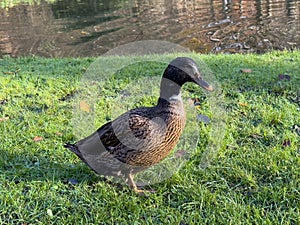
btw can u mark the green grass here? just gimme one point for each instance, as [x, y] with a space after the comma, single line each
[12, 3]
[254, 178]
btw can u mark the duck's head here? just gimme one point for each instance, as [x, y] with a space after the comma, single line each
[184, 69]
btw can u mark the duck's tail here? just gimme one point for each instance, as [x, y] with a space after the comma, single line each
[73, 148]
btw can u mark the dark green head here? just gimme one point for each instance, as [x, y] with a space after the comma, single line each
[184, 69]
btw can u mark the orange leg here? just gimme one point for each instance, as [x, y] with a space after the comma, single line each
[132, 184]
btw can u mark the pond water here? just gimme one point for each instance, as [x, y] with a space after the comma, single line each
[92, 27]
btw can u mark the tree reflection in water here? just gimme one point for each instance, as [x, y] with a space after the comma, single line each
[91, 28]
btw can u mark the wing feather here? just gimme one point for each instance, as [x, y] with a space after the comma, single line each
[116, 135]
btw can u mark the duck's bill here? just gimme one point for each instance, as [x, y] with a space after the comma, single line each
[202, 83]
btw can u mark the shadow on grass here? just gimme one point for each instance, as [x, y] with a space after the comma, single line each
[22, 168]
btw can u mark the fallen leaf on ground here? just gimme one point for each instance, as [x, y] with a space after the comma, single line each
[84, 106]
[246, 70]
[84, 33]
[257, 136]
[243, 104]
[37, 138]
[58, 133]
[3, 119]
[11, 73]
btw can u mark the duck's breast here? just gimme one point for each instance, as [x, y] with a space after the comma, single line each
[163, 132]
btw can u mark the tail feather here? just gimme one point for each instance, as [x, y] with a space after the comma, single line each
[74, 148]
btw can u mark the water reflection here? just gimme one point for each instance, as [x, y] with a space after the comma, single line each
[90, 28]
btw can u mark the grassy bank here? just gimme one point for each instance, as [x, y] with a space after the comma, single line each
[252, 179]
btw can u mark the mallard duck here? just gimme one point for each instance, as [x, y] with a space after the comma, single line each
[143, 136]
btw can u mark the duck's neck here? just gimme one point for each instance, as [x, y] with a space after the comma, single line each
[169, 92]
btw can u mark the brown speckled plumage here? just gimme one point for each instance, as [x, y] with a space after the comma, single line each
[143, 136]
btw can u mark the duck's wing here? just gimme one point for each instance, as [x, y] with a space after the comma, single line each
[125, 132]
[120, 135]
